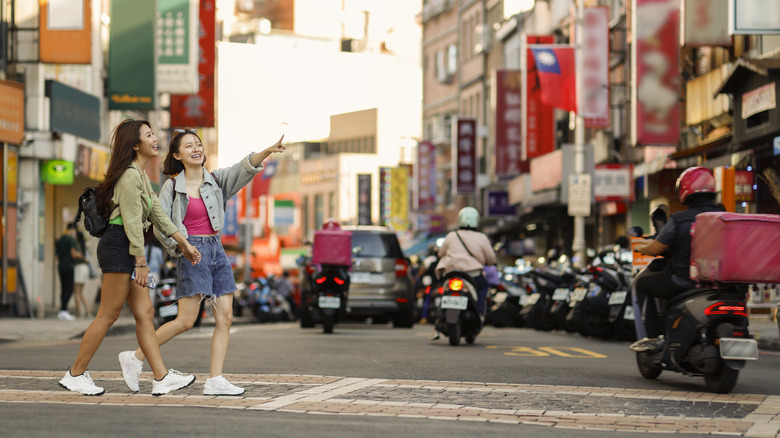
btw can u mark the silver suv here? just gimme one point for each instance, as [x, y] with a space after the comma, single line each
[380, 281]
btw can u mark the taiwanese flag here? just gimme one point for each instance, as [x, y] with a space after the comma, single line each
[555, 66]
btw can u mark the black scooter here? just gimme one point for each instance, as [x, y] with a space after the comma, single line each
[329, 297]
[456, 314]
[706, 334]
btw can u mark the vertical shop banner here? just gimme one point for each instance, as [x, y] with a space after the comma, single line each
[399, 198]
[508, 110]
[197, 109]
[131, 58]
[177, 46]
[655, 84]
[595, 67]
[364, 198]
[465, 156]
[426, 175]
[65, 31]
[385, 179]
[11, 112]
[743, 186]
[539, 126]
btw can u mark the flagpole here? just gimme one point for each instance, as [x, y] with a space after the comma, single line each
[578, 245]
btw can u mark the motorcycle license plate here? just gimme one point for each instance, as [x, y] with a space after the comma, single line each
[560, 294]
[579, 294]
[171, 310]
[628, 315]
[329, 302]
[617, 297]
[451, 302]
[738, 348]
[532, 299]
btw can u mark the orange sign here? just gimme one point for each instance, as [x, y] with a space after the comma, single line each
[65, 32]
[11, 112]
[640, 260]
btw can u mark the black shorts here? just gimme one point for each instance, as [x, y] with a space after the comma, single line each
[113, 251]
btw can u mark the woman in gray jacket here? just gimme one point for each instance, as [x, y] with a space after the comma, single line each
[195, 199]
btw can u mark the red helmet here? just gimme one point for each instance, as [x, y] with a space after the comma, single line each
[695, 180]
[330, 224]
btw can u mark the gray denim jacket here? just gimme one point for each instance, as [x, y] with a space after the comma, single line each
[217, 188]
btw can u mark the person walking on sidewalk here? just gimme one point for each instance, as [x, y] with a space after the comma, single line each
[196, 199]
[68, 255]
[80, 276]
[125, 198]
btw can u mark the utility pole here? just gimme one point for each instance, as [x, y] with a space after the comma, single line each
[578, 245]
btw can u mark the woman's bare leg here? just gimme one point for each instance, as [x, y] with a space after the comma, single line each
[188, 313]
[223, 316]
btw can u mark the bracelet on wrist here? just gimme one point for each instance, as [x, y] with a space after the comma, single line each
[141, 266]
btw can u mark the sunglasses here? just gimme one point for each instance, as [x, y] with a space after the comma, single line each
[185, 131]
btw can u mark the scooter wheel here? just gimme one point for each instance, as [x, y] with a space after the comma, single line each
[722, 380]
[453, 333]
[647, 367]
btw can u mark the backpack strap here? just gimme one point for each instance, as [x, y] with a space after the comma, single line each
[464, 245]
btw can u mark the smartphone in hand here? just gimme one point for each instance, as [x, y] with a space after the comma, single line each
[151, 280]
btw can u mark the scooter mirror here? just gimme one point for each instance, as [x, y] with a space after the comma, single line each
[635, 231]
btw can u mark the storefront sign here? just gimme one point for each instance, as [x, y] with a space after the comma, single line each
[758, 100]
[613, 182]
[465, 156]
[706, 23]
[399, 198]
[743, 186]
[508, 123]
[177, 48]
[655, 84]
[73, 111]
[364, 198]
[426, 176]
[198, 109]
[595, 72]
[497, 204]
[131, 57]
[11, 112]
[57, 172]
[65, 31]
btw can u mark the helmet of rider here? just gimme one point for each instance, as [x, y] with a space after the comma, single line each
[330, 224]
[695, 180]
[468, 217]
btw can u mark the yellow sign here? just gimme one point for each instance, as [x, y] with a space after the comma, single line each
[399, 197]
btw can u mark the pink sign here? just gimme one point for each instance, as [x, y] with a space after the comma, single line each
[656, 78]
[426, 176]
[595, 67]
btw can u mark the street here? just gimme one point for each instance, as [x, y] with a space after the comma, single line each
[373, 380]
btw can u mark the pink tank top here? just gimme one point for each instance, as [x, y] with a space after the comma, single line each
[197, 219]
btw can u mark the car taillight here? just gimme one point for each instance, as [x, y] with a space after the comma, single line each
[338, 281]
[320, 280]
[401, 268]
[401, 300]
[455, 284]
[726, 309]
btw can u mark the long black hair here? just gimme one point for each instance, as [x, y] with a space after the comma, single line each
[123, 140]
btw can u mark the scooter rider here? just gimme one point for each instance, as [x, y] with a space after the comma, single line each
[467, 250]
[696, 190]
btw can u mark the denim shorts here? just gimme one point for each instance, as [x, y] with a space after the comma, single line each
[113, 251]
[213, 276]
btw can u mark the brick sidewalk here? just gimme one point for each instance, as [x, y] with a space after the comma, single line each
[578, 407]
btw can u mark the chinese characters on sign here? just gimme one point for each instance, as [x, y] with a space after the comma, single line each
[509, 116]
[465, 157]
[613, 182]
[364, 198]
[426, 168]
[595, 72]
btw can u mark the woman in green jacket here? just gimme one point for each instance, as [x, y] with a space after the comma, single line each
[127, 199]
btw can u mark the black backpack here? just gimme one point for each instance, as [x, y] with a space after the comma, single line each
[94, 223]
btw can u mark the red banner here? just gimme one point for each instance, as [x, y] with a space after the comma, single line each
[540, 118]
[465, 157]
[595, 67]
[426, 176]
[509, 116]
[198, 109]
[656, 81]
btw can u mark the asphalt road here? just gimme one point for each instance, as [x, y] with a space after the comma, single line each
[536, 370]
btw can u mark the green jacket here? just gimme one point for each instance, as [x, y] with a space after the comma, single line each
[131, 194]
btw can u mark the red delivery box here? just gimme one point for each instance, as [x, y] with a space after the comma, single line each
[736, 247]
[332, 247]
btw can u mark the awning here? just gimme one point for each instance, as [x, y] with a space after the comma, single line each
[743, 68]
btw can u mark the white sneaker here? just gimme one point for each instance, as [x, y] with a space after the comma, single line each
[131, 369]
[82, 383]
[172, 381]
[65, 316]
[220, 386]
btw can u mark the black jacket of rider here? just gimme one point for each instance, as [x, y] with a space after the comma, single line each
[677, 235]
